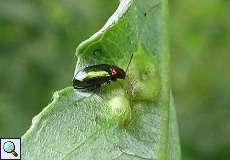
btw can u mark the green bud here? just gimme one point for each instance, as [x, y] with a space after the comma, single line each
[120, 109]
[146, 80]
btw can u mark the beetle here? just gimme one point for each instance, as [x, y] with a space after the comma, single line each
[92, 77]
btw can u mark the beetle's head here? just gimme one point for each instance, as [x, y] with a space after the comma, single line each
[117, 72]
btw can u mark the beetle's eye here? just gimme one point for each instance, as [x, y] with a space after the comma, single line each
[114, 72]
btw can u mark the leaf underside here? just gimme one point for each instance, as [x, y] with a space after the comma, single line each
[77, 125]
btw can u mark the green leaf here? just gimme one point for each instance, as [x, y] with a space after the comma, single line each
[128, 119]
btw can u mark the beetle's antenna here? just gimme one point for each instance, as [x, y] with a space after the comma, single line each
[129, 63]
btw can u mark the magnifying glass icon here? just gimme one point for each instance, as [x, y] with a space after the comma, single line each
[9, 147]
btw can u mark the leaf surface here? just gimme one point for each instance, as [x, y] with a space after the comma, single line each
[127, 119]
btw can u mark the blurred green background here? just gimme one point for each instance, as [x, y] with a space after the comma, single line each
[37, 45]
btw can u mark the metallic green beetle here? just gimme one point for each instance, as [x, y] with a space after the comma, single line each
[92, 77]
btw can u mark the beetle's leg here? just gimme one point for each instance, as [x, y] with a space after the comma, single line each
[94, 88]
[113, 79]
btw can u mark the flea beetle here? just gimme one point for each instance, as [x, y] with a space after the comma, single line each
[92, 77]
